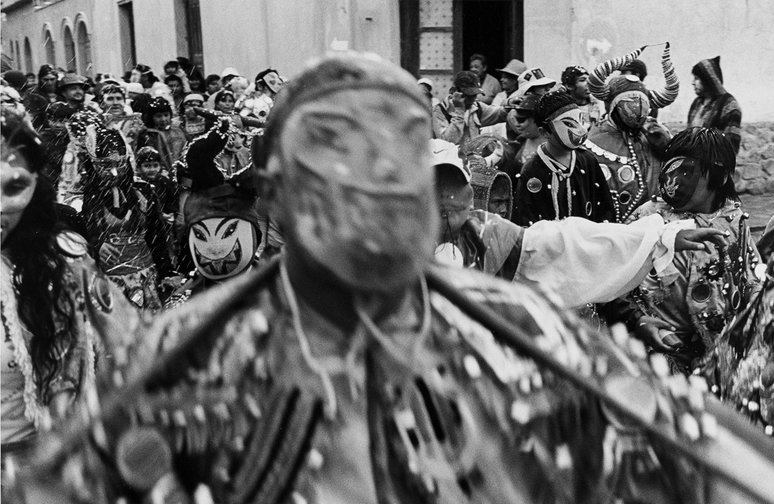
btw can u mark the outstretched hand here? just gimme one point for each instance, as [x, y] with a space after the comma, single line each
[699, 239]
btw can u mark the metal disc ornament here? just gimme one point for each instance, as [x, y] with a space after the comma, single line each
[534, 185]
[626, 174]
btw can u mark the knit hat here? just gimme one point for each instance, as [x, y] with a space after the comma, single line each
[528, 104]
[514, 67]
[147, 154]
[467, 83]
[551, 105]
[193, 97]
[637, 67]
[482, 179]
[708, 70]
[15, 78]
[572, 73]
[46, 70]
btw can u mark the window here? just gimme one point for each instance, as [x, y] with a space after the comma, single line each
[69, 50]
[29, 66]
[48, 44]
[126, 33]
[85, 66]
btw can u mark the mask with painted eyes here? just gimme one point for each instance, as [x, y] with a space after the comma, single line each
[678, 181]
[273, 82]
[631, 108]
[569, 128]
[222, 247]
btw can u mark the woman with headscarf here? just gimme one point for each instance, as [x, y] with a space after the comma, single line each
[54, 302]
[714, 107]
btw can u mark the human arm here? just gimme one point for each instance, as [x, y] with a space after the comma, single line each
[449, 121]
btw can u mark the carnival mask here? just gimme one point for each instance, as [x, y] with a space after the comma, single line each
[361, 187]
[678, 181]
[632, 108]
[222, 247]
[273, 82]
[111, 169]
[569, 128]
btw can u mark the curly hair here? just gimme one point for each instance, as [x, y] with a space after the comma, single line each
[39, 264]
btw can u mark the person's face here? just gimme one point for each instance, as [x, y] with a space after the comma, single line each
[175, 87]
[162, 120]
[540, 90]
[238, 87]
[509, 82]
[48, 83]
[195, 83]
[478, 68]
[17, 185]
[74, 93]
[32, 81]
[145, 80]
[213, 87]
[225, 104]
[698, 86]
[523, 124]
[136, 76]
[149, 170]
[222, 247]
[235, 141]
[170, 70]
[500, 198]
[581, 89]
[113, 103]
[355, 176]
[454, 207]
[188, 109]
[57, 124]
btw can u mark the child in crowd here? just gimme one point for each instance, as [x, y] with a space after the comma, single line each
[164, 136]
[561, 179]
[151, 169]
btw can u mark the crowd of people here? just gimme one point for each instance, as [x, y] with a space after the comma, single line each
[342, 288]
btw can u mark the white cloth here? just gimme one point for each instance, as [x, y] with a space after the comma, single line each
[585, 262]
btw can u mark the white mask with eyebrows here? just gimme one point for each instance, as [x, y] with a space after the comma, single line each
[222, 247]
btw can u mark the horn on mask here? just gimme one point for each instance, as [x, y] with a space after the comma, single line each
[598, 76]
[664, 96]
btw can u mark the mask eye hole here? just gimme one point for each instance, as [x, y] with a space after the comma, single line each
[230, 229]
[198, 234]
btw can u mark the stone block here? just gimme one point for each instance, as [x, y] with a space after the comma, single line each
[768, 166]
[740, 185]
[751, 171]
[757, 187]
[769, 186]
[767, 152]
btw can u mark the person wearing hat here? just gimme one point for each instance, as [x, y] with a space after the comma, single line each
[535, 81]
[714, 107]
[489, 84]
[522, 120]
[72, 89]
[628, 143]
[259, 103]
[561, 179]
[55, 139]
[575, 80]
[509, 81]
[161, 133]
[426, 85]
[43, 95]
[460, 116]
[191, 123]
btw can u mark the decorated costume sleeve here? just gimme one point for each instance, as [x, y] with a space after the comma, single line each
[203, 150]
[156, 235]
[598, 76]
[663, 97]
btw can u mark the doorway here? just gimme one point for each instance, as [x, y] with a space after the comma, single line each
[493, 28]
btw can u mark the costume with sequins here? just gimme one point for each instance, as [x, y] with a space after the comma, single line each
[711, 286]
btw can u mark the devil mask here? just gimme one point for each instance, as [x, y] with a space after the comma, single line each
[222, 247]
[569, 128]
[678, 181]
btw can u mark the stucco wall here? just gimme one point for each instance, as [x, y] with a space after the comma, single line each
[154, 33]
[284, 34]
[589, 31]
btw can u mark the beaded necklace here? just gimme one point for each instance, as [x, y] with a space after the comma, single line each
[631, 161]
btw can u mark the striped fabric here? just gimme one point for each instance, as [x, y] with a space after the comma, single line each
[662, 97]
[598, 76]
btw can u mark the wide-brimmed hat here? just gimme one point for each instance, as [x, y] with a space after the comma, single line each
[514, 67]
[71, 79]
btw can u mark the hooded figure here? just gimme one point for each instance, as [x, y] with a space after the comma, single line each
[628, 143]
[714, 107]
[492, 189]
[220, 216]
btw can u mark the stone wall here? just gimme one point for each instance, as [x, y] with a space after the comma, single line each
[755, 161]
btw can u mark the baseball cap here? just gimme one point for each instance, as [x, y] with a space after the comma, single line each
[467, 83]
[229, 71]
[446, 153]
[533, 77]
